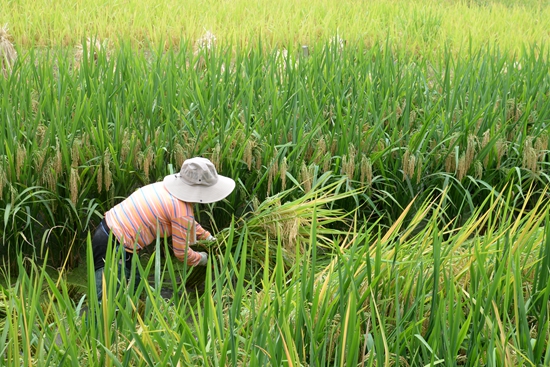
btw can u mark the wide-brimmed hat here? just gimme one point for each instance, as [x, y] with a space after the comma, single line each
[198, 182]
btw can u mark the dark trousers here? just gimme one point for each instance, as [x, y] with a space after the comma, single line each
[100, 244]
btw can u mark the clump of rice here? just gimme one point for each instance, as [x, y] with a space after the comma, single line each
[8, 55]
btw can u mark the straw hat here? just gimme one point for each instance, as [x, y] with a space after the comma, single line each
[198, 182]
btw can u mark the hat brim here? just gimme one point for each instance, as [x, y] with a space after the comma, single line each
[199, 193]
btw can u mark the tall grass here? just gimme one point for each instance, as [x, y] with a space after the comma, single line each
[77, 138]
[422, 294]
[419, 26]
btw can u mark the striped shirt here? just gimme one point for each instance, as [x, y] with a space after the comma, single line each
[151, 209]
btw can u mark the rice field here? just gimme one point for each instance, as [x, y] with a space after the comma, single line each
[392, 177]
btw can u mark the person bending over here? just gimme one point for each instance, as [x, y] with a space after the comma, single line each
[162, 208]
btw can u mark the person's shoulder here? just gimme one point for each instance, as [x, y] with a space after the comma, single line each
[160, 188]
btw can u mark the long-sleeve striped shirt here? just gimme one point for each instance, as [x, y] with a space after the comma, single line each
[136, 220]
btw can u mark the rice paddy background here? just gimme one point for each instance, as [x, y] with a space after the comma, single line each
[391, 161]
[421, 26]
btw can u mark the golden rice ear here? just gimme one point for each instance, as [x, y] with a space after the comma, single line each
[8, 55]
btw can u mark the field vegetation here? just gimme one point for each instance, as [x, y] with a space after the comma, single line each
[392, 176]
[424, 26]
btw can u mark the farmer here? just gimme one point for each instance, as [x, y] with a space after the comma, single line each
[163, 208]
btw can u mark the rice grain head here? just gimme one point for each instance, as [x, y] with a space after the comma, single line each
[148, 161]
[75, 153]
[529, 155]
[291, 228]
[179, 154]
[73, 183]
[409, 164]
[348, 163]
[273, 171]
[58, 159]
[125, 145]
[40, 133]
[470, 150]
[107, 174]
[450, 162]
[327, 161]
[306, 176]
[20, 159]
[501, 146]
[86, 140]
[478, 169]
[321, 149]
[135, 150]
[237, 140]
[159, 135]
[247, 154]
[99, 178]
[399, 108]
[49, 176]
[486, 139]
[310, 150]
[366, 170]
[255, 203]
[334, 146]
[419, 163]
[8, 55]
[541, 146]
[13, 194]
[462, 167]
[514, 110]
[284, 168]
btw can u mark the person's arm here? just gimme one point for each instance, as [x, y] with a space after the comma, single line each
[202, 234]
[183, 235]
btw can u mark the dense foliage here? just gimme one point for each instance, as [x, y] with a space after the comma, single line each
[79, 135]
[412, 295]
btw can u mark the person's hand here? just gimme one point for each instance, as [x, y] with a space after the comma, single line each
[211, 238]
[204, 259]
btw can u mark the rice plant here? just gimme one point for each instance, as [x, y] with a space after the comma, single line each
[420, 26]
[391, 205]
[418, 294]
[395, 125]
